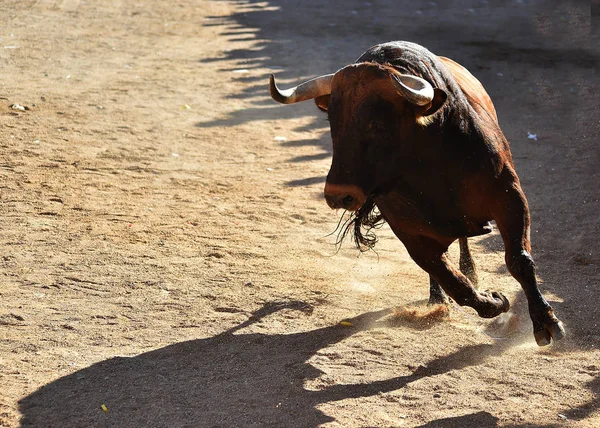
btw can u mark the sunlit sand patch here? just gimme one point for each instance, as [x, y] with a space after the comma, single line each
[553, 298]
[504, 325]
[362, 287]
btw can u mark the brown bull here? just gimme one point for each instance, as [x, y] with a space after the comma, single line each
[416, 135]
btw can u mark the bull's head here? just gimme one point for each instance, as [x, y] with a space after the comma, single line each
[374, 113]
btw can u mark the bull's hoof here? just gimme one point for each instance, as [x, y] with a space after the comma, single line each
[492, 304]
[551, 329]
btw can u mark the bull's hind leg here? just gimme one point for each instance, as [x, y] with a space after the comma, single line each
[512, 217]
[466, 263]
[431, 256]
[467, 267]
[436, 293]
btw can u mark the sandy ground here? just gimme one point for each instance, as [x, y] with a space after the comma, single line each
[165, 258]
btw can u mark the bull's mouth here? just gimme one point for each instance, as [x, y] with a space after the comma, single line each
[361, 222]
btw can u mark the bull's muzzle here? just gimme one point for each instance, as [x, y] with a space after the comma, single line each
[344, 196]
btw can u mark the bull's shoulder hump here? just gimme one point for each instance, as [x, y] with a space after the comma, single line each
[471, 87]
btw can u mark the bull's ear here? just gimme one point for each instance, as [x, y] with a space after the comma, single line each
[439, 98]
[322, 102]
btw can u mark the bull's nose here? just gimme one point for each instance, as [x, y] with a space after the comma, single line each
[347, 201]
[339, 201]
[347, 197]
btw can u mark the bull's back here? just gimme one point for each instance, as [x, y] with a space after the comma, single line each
[476, 94]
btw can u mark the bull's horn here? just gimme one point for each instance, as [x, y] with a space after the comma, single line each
[415, 89]
[306, 91]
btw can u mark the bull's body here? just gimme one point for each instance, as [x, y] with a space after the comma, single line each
[418, 135]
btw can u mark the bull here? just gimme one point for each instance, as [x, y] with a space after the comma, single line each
[417, 144]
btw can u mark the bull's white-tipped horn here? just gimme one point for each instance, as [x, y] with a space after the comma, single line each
[415, 89]
[314, 88]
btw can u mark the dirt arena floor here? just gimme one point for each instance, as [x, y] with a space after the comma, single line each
[165, 249]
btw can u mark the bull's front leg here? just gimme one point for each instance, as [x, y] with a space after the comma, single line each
[512, 217]
[431, 256]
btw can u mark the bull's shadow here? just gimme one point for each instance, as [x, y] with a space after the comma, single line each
[232, 379]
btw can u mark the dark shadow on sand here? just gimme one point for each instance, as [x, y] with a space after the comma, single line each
[234, 379]
[479, 419]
